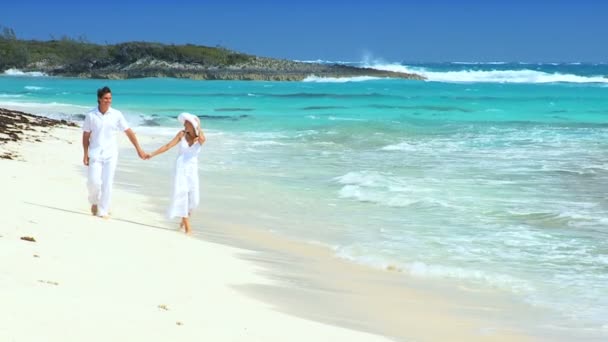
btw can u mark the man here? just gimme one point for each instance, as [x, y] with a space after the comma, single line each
[101, 150]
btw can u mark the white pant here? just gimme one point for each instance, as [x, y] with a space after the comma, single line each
[101, 176]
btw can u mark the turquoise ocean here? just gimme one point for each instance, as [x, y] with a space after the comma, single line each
[494, 175]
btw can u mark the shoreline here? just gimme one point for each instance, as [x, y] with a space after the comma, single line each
[312, 273]
[314, 283]
[75, 277]
[290, 280]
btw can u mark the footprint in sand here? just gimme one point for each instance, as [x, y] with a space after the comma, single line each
[48, 282]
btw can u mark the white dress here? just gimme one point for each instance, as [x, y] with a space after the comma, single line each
[185, 180]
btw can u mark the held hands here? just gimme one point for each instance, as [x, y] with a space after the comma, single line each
[143, 155]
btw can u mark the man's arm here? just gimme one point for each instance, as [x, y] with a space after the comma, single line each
[133, 138]
[86, 137]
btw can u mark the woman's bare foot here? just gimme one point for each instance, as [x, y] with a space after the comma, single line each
[94, 209]
[186, 225]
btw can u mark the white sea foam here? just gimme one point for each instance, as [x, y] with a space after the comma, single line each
[265, 135]
[306, 133]
[427, 270]
[365, 178]
[466, 76]
[169, 132]
[479, 63]
[58, 110]
[17, 72]
[403, 146]
[501, 281]
[335, 118]
[266, 143]
[45, 108]
[392, 67]
[386, 189]
[491, 76]
[160, 131]
[34, 88]
[510, 76]
[363, 194]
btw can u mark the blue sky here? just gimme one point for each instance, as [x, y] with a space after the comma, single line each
[392, 31]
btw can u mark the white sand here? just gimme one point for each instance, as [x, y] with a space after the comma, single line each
[125, 279]
[135, 278]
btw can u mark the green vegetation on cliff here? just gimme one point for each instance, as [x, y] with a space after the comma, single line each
[80, 58]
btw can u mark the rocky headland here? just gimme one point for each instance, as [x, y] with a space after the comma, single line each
[79, 58]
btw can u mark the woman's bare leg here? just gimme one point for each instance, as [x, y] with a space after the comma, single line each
[186, 224]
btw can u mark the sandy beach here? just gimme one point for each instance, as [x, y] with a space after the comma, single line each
[70, 276]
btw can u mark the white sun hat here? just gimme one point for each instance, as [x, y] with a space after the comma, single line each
[190, 118]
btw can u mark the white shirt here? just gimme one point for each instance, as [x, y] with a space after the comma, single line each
[103, 128]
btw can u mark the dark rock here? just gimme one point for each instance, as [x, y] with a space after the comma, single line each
[15, 126]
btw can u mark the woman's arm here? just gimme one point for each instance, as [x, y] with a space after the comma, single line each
[169, 145]
[201, 135]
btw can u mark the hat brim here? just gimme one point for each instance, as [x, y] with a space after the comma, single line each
[191, 118]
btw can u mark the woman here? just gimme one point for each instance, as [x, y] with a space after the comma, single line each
[185, 181]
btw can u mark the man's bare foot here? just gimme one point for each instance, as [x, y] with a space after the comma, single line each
[94, 209]
[105, 217]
